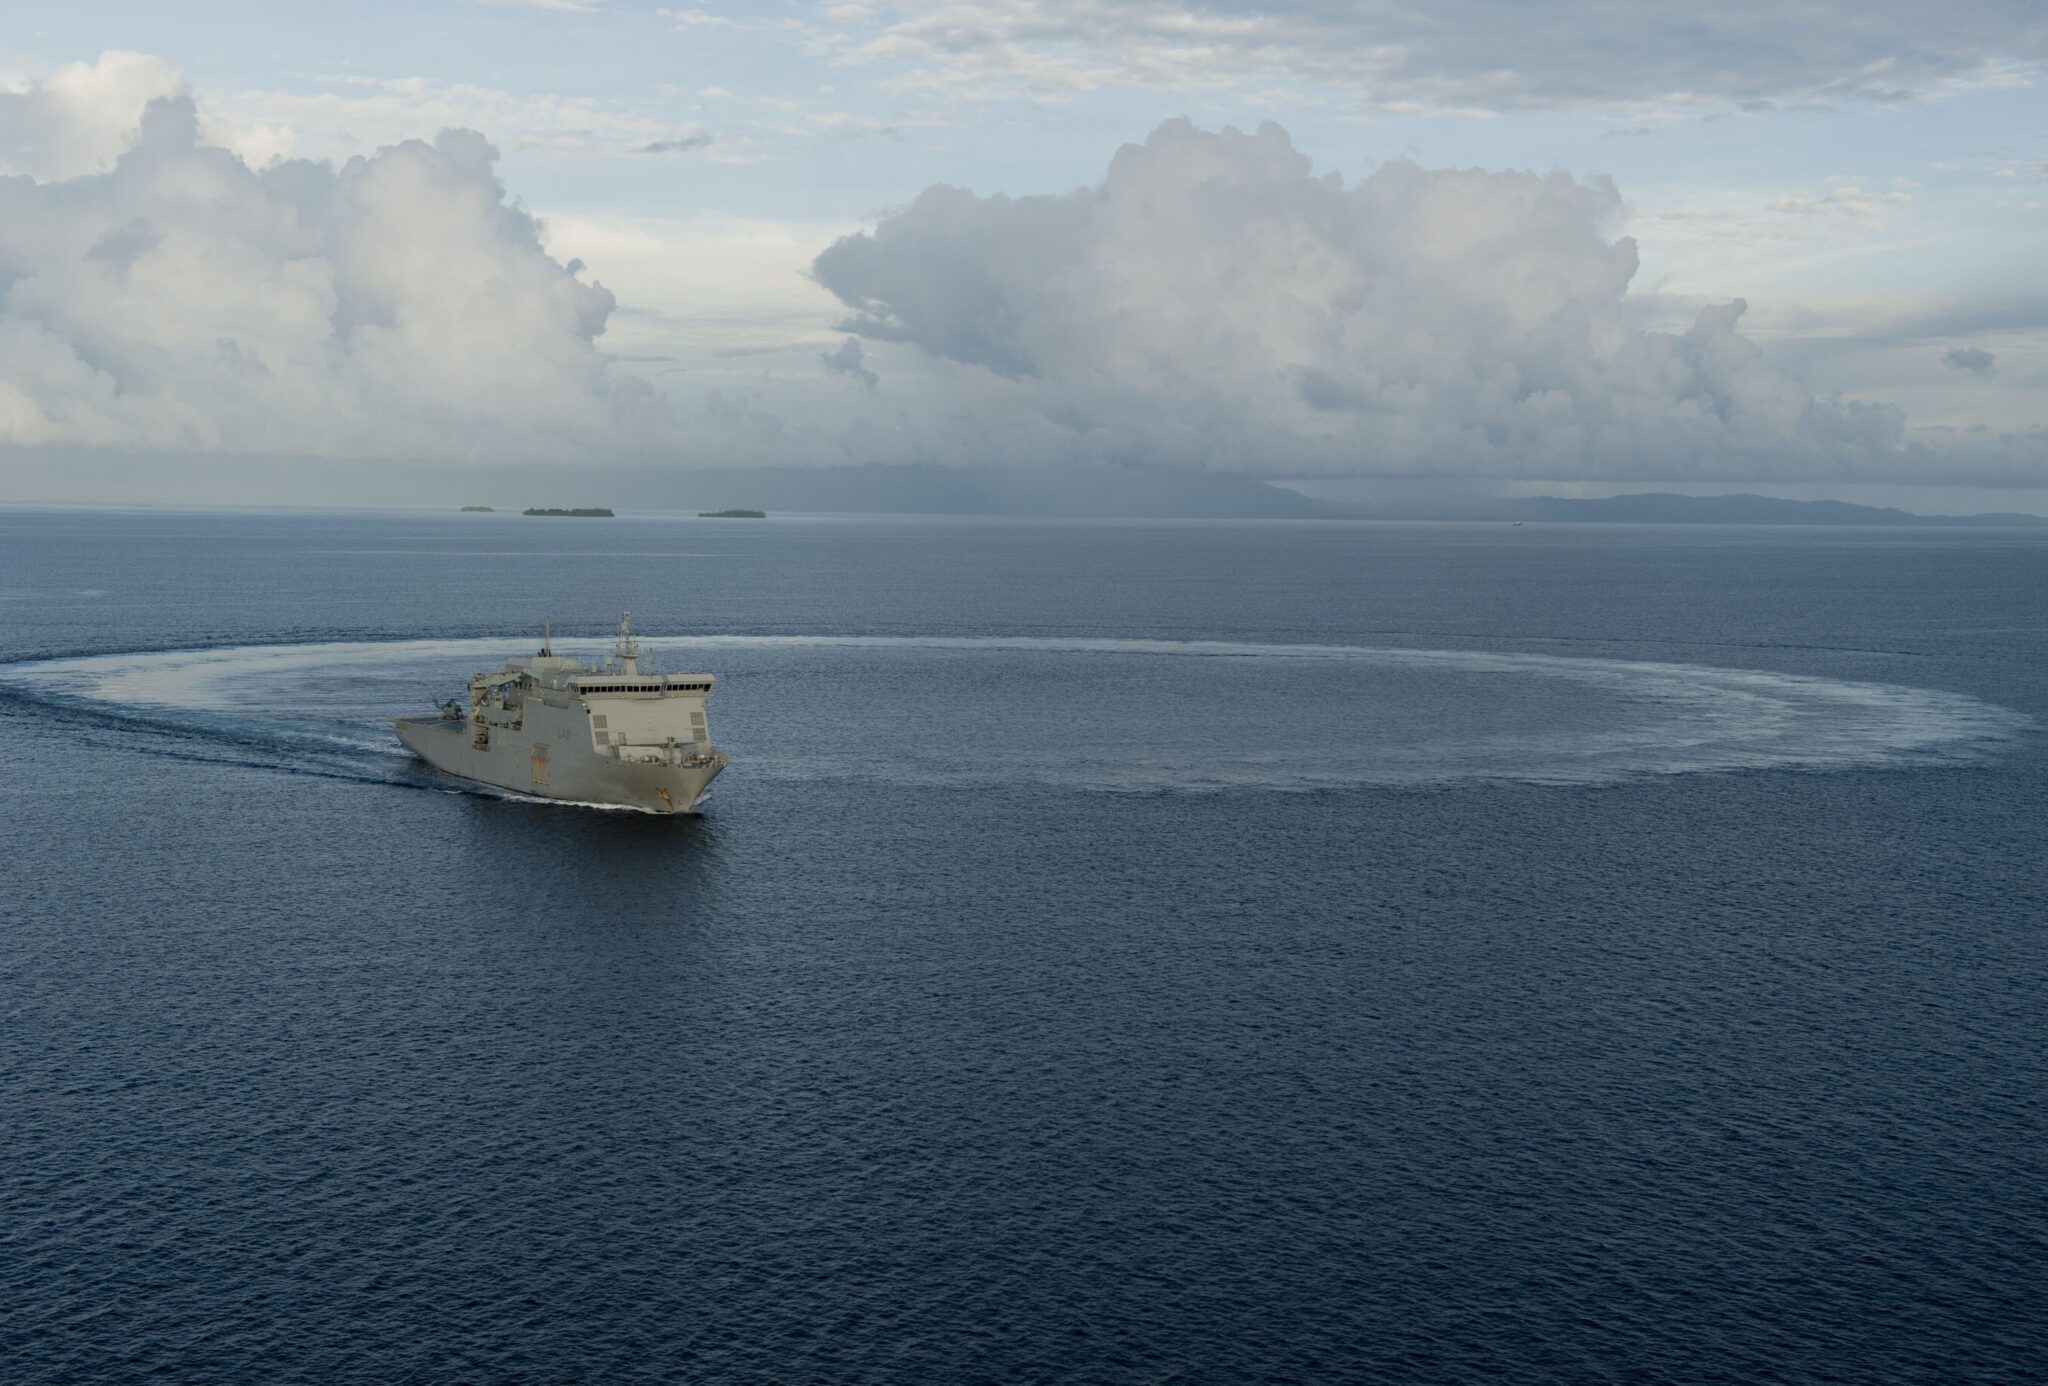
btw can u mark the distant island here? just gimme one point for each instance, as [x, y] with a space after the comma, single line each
[478, 510]
[732, 514]
[1739, 509]
[597, 512]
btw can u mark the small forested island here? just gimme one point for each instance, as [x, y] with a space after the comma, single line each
[478, 510]
[732, 514]
[589, 512]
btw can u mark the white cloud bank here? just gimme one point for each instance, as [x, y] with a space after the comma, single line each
[395, 305]
[1214, 303]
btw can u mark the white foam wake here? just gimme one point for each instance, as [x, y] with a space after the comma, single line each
[1300, 716]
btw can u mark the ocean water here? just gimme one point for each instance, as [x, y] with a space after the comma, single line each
[1118, 952]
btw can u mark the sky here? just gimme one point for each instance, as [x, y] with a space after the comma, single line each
[1579, 246]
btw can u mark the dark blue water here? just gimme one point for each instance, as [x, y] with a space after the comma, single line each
[1119, 952]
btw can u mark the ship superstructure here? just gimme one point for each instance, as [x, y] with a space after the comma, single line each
[613, 734]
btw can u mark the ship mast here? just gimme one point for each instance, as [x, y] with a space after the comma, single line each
[627, 649]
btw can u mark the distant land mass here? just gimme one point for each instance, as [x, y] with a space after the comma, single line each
[1742, 508]
[1112, 492]
[479, 510]
[929, 489]
[1064, 491]
[1136, 493]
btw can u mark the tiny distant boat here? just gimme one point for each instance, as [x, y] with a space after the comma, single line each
[612, 734]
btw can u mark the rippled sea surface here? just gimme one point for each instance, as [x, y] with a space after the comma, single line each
[1118, 952]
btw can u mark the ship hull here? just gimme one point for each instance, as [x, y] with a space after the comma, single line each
[554, 770]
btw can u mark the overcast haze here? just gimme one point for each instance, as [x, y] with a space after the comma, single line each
[1569, 247]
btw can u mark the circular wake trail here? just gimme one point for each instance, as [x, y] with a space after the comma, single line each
[1084, 713]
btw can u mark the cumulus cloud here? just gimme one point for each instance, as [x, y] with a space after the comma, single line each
[847, 361]
[1415, 55]
[394, 305]
[80, 118]
[1214, 302]
[1975, 360]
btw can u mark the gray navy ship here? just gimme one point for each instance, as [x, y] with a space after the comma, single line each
[557, 728]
